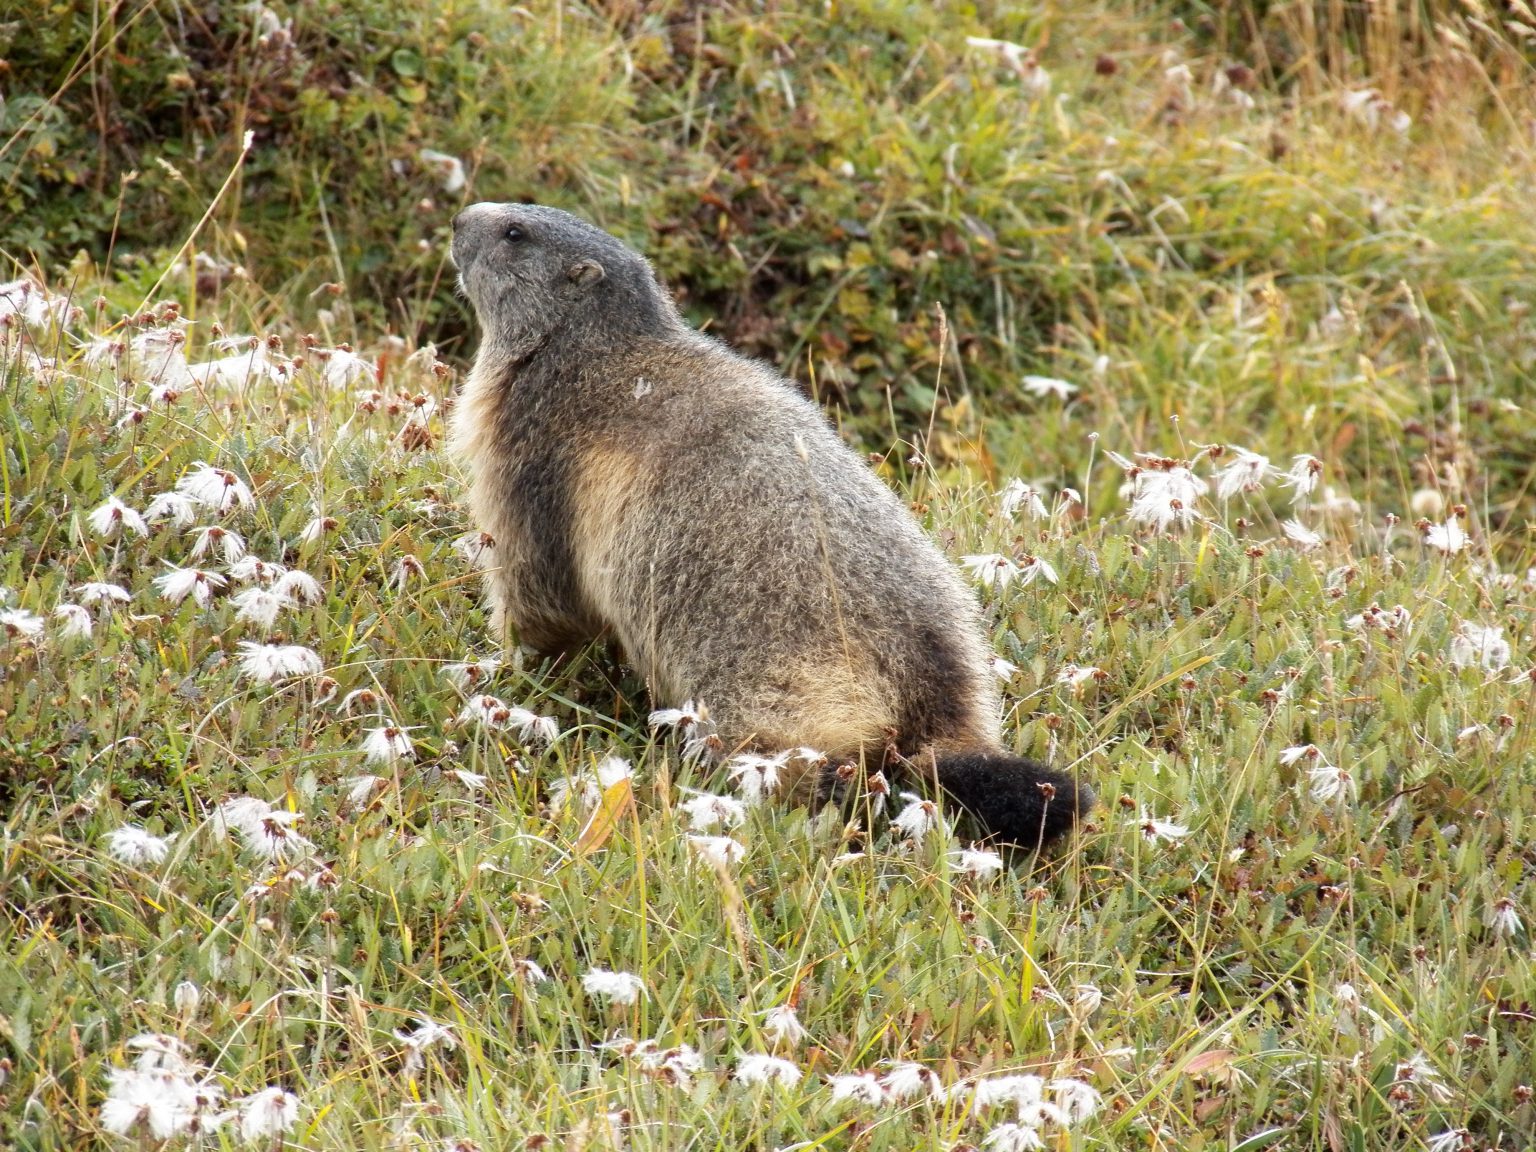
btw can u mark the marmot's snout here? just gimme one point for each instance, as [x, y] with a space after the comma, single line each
[472, 228]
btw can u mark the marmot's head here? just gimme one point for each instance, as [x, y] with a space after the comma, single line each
[532, 271]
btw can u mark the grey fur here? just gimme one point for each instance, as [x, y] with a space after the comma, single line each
[643, 481]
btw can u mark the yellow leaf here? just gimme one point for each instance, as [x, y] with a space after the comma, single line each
[618, 799]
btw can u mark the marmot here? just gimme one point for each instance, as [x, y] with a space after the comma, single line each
[642, 481]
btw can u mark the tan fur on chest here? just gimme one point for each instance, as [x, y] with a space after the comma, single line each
[472, 441]
[608, 500]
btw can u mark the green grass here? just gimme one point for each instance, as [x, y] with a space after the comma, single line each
[1260, 979]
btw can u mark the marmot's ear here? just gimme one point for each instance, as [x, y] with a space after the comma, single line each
[585, 273]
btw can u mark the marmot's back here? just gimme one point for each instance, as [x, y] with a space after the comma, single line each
[772, 574]
[644, 481]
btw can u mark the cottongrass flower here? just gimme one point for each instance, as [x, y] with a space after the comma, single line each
[1012, 54]
[215, 488]
[1086, 999]
[1013, 1138]
[991, 569]
[1034, 566]
[1473, 645]
[756, 1068]
[491, 712]
[1020, 1090]
[533, 728]
[611, 769]
[360, 789]
[1289, 756]
[1246, 473]
[692, 722]
[756, 776]
[675, 1065]
[861, 1088]
[386, 745]
[707, 810]
[18, 623]
[160, 1103]
[301, 587]
[448, 169]
[1302, 536]
[229, 544]
[97, 592]
[1018, 495]
[260, 606]
[1153, 829]
[1447, 538]
[622, 988]
[468, 675]
[179, 509]
[30, 302]
[977, 863]
[254, 570]
[267, 1114]
[160, 1051]
[782, 1026]
[74, 622]
[910, 1081]
[1163, 492]
[342, 367]
[1418, 1073]
[1503, 916]
[1167, 499]
[1330, 782]
[528, 971]
[269, 663]
[690, 715]
[1392, 621]
[718, 851]
[134, 846]
[265, 831]
[315, 530]
[358, 698]
[256, 362]
[179, 583]
[918, 818]
[185, 998]
[1043, 386]
[1302, 477]
[427, 1034]
[406, 569]
[477, 548]
[473, 781]
[1004, 669]
[111, 519]
[164, 395]
[164, 1094]
[1075, 676]
[1078, 1099]
[589, 786]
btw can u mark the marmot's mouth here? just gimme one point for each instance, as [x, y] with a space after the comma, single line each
[460, 255]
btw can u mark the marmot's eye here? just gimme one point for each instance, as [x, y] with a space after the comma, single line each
[514, 233]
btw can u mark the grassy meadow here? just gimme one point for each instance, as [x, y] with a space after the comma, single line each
[1202, 335]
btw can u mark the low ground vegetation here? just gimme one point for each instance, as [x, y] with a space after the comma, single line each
[1225, 411]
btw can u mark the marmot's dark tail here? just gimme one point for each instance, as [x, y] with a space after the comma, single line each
[1017, 800]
